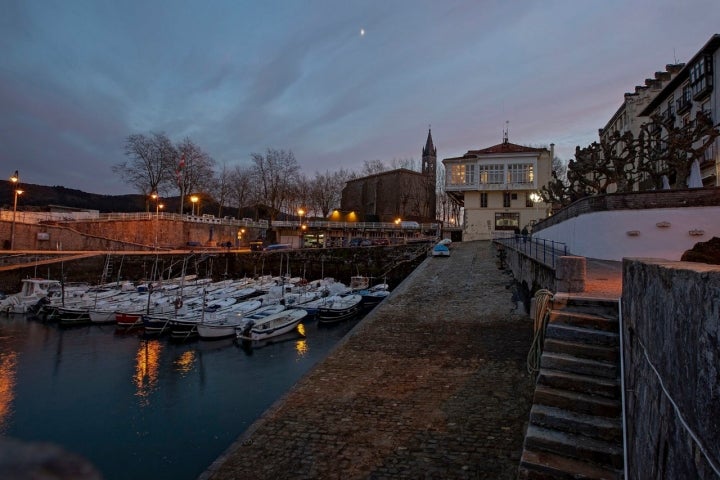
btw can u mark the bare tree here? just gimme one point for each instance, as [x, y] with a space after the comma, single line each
[148, 169]
[671, 150]
[371, 167]
[240, 187]
[406, 163]
[222, 187]
[194, 170]
[275, 173]
[326, 190]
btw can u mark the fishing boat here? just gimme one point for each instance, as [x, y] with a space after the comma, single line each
[339, 308]
[271, 325]
[225, 326]
[32, 290]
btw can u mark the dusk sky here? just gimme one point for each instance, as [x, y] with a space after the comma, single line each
[237, 77]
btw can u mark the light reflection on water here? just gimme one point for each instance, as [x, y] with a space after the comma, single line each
[141, 408]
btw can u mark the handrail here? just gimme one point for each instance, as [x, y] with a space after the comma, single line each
[354, 225]
[542, 250]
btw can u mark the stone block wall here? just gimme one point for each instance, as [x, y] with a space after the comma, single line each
[671, 349]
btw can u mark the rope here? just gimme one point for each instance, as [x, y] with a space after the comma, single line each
[542, 314]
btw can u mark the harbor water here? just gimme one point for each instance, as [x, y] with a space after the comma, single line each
[144, 408]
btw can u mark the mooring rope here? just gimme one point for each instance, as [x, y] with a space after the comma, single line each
[542, 314]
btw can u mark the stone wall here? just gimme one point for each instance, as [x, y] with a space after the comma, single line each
[119, 234]
[671, 328]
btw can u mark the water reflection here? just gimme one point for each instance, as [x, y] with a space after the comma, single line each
[147, 367]
[8, 371]
[184, 363]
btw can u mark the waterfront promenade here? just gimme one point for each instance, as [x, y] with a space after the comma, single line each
[431, 385]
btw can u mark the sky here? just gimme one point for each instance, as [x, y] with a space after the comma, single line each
[336, 82]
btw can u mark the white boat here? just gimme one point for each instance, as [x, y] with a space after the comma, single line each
[33, 289]
[440, 250]
[339, 308]
[271, 325]
[225, 326]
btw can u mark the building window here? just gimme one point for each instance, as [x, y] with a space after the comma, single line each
[701, 77]
[492, 174]
[506, 199]
[463, 174]
[483, 200]
[507, 221]
[521, 173]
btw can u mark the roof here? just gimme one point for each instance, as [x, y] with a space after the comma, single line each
[505, 147]
[709, 48]
[387, 173]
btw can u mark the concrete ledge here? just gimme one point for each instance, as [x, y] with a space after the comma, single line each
[570, 274]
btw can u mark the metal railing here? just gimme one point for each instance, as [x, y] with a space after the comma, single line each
[539, 249]
[355, 225]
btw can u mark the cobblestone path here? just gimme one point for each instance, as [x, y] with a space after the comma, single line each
[431, 385]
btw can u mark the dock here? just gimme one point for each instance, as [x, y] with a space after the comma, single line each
[432, 384]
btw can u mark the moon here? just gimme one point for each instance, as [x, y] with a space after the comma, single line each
[362, 32]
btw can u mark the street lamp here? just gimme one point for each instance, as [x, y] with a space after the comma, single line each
[536, 198]
[194, 199]
[301, 212]
[156, 197]
[15, 179]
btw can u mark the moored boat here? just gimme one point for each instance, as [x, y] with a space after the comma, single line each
[338, 308]
[271, 325]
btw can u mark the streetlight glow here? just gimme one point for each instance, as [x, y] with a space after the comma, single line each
[194, 199]
[15, 178]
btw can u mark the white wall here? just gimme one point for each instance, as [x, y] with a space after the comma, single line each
[604, 235]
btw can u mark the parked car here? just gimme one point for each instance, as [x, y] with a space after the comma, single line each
[277, 246]
[355, 242]
[380, 241]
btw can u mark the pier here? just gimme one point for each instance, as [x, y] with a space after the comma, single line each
[432, 384]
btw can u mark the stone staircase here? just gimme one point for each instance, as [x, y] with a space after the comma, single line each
[575, 428]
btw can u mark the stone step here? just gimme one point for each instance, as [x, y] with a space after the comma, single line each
[599, 306]
[602, 428]
[596, 452]
[606, 387]
[577, 402]
[539, 465]
[582, 350]
[582, 335]
[584, 320]
[581, 366]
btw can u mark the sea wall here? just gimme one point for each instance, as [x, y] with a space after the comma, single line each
[671, 329]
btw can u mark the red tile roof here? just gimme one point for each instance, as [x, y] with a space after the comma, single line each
[505, 147]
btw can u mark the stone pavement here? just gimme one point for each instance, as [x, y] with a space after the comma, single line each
[431, 385]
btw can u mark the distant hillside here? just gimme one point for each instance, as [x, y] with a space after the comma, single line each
[40, 197]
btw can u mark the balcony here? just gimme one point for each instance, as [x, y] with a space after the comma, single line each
[683, 105]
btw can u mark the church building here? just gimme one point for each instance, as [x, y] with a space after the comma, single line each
[396, 194]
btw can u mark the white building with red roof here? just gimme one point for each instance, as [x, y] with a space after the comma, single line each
[498, 188]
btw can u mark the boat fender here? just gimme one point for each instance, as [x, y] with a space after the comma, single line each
[178, 303]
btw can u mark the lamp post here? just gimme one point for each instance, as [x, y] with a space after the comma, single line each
[15, 179]
[156, 197]
[536, 199]
[194, 199]
[301, 212]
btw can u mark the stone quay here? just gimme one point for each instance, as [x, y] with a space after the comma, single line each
[433, 384]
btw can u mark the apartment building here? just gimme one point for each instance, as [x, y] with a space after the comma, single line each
[694, 89]
[498, 187]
